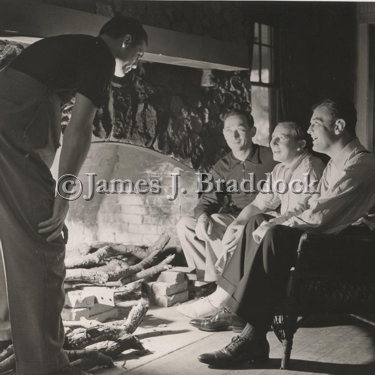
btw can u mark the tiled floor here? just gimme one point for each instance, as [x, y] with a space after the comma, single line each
[335, 345]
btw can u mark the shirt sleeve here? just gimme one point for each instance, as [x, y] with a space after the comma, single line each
[351, 197]
[94, 75]
[315, 174]
[210, 202]
[270, 200]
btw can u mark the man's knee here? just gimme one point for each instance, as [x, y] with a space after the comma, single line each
[282, 236]
[254, 223]
[275, 232]
[185, 223]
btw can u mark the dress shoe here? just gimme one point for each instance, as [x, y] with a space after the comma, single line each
[5, 344]
[198, 309]
[222, 321]
[240, 350]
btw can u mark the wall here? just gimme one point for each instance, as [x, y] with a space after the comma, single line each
[317, 55]
[129, 218]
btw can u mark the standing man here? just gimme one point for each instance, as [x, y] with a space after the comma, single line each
[201, 236]
[32, 217]
[256, 276]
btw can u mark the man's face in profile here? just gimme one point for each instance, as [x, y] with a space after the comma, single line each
[127, 58]
[322, 130]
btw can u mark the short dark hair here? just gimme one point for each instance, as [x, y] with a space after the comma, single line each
[120, 26]
[340, 108]
[239, 112]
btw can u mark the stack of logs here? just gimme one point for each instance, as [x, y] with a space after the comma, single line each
[123, 268]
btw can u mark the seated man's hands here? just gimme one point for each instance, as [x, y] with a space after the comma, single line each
[259, 233]
[231, 238]
[203, 229]
[368, 220]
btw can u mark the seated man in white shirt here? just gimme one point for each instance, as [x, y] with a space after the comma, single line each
[256, 276]
[296, 166]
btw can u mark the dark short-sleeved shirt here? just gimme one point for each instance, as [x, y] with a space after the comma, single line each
[258, 163]
[70, 62]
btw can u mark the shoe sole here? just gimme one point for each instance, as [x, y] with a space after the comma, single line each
[228, 328]
[240, 361]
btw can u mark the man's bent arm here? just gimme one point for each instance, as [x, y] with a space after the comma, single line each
[352, 197]
[76, 144]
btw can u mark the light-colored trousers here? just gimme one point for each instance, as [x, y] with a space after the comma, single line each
[203, 255]
[30, 125]
[5, 332]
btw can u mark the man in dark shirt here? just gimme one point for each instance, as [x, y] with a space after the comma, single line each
[32, 217]
[201, 236]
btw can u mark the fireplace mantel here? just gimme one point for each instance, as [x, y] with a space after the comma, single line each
[34, 19]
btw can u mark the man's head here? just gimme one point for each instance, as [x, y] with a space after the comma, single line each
[333, 121]
[288, 141]
[238, 130]
[127, 40]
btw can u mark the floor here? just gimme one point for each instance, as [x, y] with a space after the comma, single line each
[335, 345]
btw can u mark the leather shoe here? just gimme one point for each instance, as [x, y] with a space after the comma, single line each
[222, 321]
[5, 344]
[239, 351]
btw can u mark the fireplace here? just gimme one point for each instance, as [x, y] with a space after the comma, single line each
[119, 214]
[158, 120]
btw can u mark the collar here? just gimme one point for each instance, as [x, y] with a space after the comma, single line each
[347, 153]
[254, 157]
[297, 161]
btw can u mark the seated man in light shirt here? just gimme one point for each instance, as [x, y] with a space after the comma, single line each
[297, 166]
[298, 174]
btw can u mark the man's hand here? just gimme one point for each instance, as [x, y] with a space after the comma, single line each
[231, 238]
[369, 220]
[203, 229]
[55, 225]
[259, 233]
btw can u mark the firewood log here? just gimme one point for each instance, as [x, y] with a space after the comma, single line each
[139, 251]
[113, 348]
[137, 314]
[8, 364]
[130, 292]
[91, 360]
[160, 243]
[83, 275]
[87, 261]
[114, 264]
[81, 337]
[120, 249]
[162, 266]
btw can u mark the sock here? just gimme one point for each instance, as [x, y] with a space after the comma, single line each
[248, 331]
[219, 298]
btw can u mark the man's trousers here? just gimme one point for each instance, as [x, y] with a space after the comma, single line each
[256, 277]
[203, 255]
[257, 274]
[35, 271]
